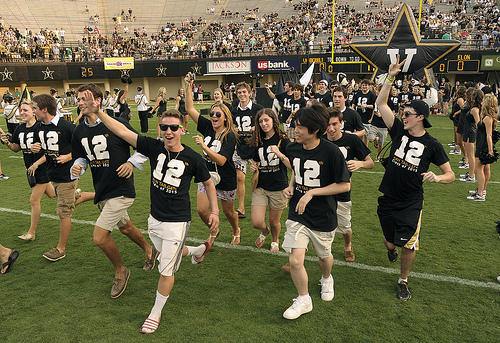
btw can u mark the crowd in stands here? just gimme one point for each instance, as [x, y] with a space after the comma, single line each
[308, 30]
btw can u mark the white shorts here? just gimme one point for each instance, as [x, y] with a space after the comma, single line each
[168, 238]
[343, 217]
[113, 212]
[298, 236]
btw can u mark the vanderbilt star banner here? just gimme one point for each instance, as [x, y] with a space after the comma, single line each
[404, 40]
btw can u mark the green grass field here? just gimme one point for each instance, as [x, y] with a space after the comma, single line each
[239, 293]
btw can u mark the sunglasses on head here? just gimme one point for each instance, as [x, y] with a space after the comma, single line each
[217, 114]
[172, 128]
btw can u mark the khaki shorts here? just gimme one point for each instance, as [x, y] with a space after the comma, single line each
[343, 217]
[298, 236]
[114, 212]
[168, 238]
[65, 193]
[379, 132]
[276, 200]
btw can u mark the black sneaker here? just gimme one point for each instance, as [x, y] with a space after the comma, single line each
[403, 291]
[393, 255]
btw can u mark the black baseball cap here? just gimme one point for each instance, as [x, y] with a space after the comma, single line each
[421, 107]
[139, 88]
[53, 90]
[116, 90]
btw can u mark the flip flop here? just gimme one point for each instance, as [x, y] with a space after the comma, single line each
[12, 258]
[240, 215]
[198, 260]
[236, 238]
[261, 239]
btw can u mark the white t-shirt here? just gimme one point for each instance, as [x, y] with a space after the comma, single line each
[7, 111]
[141, 101]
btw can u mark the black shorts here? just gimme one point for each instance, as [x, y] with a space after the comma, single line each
[400, 221]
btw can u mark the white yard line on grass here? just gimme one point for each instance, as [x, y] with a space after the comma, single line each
[432, 277]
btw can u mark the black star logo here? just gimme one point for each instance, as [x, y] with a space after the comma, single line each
[125, 72]
[404, 40]
[6, 75]
[47, 74]
[161, 70]
[197, 69]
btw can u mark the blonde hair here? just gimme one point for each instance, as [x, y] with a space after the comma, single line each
[221, 93]
[490, 108]
[161, 90]
[228, 122]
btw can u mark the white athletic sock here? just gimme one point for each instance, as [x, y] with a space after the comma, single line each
[196, 251]
[405, 280]
[158, 307]
[304, 298]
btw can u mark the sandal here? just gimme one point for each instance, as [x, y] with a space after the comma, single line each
[149, 326]
[261, 239]
[240, 215]
[275, 247]
[211, 239]
[236, 238]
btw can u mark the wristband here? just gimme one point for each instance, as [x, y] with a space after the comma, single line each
[215, 213]
[389, 79]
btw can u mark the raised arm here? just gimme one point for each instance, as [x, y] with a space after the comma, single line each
[114, 125]
[270, 93]
[193, 113]
[384, 109]
[122, 98]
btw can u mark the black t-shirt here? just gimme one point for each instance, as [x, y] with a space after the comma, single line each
[394, 101]
[244, 121]
[364, 99]
[351, 120]
[25, 136]
[351, 147]
[295, 105]
[413, 96]
[377, 121]
[324, 98]
[171, 175]
[227, 172]
[316, 168]
[104, 152]
[273, 173]
[56, 141]
[410, 157]
[405, 97]
[285, 102]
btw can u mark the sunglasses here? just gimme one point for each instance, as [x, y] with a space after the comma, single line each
[407, 114]
[173, 128]
[217, 114]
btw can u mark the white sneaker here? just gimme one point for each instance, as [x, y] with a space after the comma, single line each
[498, 279]
[477, 197]
[298, 308]
[475, 192]
[464, 166]
[327, 292]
